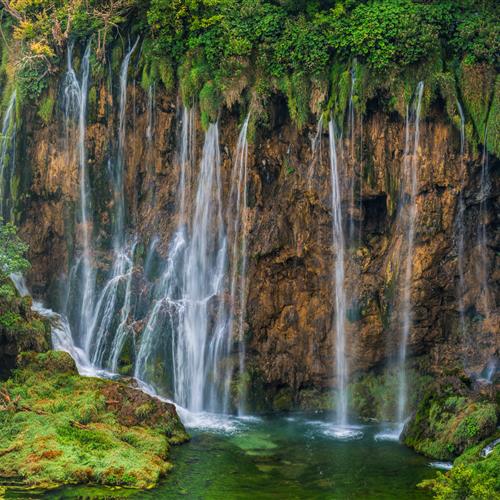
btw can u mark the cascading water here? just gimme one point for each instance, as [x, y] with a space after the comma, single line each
[118, 167]
[158, 339]
[7, 157]
[75, 94]
[340, 302]
[61, 335]
[238, 253]
[460, 226]
[406, 220]
[150, 114]
[202, 339]
[482, 236]
[316, 150]
[187, 332]
[108, 328]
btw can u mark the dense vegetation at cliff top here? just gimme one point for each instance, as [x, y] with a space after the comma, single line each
[220, 52]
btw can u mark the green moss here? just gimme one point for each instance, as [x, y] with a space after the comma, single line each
[493, 125]
[60, 429]
[476, 86]
[373, 396]
[46, 109]
[10, 320]
[448, 420]
[296, 89]
[210, 101]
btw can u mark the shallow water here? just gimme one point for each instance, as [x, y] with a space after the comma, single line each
[281, 458]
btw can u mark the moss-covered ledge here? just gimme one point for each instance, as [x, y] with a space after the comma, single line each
[60, 428]
[450, 418]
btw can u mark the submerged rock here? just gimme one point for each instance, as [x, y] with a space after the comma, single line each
[61, 428]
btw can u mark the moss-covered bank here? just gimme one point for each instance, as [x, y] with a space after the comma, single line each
[475, 475]
[457, 418]
[60, 428]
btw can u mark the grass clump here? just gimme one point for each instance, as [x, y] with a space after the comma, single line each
[61, 428]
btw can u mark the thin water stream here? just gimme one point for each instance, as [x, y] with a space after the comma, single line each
[407, 220]
[338, 243]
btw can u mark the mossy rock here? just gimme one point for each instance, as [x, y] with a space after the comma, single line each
[449, 419]
[21, 329]
[283, 400]
[60, 428]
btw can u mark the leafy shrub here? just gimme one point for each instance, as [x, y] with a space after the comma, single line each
[12, 250]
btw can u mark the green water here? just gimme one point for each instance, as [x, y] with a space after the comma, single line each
[280, 458]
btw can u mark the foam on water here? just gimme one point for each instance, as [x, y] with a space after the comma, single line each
[338, 432]
[213, 422]
[205, 421]
[441, 465]
[390, 433]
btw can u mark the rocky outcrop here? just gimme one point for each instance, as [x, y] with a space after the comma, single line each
[290, 308]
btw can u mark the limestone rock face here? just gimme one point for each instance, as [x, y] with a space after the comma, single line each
[290, 307]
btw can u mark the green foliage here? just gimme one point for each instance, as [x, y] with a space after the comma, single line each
[477, 37]
[386, 33]
[12, 250]
[10, 320]
[46, 109]
[374, 396]
[449, 420]
[477, 84]
[229, 49]
[472, 476]
[209, 104]
[296, 89]
[493, 124]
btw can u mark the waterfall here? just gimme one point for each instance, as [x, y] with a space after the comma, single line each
[150, 114]
[7, 158]
[460, 226]
[407, 219]
[316, 152]
[238, 252]
[202, 338]
[187, 331]
[75, 95]
[108, 326]
[158, 339]
[119, 164]
[482, 237]
[61, 335]
[338, 244]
